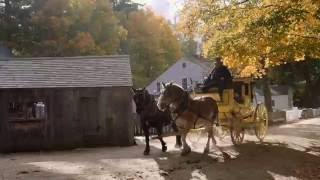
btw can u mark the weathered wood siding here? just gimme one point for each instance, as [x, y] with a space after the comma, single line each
[75, 117]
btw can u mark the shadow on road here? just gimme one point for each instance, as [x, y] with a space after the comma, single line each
[255, 161]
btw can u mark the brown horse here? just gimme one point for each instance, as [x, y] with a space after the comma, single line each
[190, 113]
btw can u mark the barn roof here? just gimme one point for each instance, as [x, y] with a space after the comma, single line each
[55, 72]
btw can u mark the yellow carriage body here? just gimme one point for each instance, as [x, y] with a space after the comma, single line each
[237, 111]
[229, 107]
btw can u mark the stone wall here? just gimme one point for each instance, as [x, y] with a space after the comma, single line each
[293, 115]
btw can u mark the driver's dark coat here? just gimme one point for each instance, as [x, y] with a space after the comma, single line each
[220, 73]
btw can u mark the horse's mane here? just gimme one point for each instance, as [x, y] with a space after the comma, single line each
[149, 96]
[174, 84]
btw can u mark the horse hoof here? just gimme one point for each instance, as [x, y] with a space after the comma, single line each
[178, 146]
[164, 148]
[185, 152]
[226, 155]
[220, 159]
[206, 151]
[146, 153]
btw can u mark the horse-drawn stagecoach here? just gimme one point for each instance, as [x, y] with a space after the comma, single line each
[196, 111]
[237, 110]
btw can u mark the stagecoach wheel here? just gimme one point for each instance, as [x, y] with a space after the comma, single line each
[261, 119]
[237, 132]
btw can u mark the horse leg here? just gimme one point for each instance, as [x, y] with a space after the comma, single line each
[178, 137]
[210, 135]
[186, 148]
[146, 134]
[163, 144]
[214, 142]
[220, 152]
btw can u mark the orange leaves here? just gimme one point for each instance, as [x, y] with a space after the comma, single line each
[153, 45]
[252, 37]
[83, 42]
[75, 27]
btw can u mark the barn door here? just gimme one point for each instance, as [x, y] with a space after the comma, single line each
[89, 116]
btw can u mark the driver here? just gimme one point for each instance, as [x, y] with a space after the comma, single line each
[220, 77]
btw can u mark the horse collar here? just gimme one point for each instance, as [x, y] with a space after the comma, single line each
[184, 103]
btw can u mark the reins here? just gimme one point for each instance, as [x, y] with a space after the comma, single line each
[184, 106]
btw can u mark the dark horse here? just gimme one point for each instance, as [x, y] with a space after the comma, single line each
[151, 116]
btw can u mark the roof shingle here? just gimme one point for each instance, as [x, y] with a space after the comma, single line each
[52, 72]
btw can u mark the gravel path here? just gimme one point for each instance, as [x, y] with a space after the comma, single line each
[290, 151]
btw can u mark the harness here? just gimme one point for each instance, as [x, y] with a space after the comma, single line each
[183, 106]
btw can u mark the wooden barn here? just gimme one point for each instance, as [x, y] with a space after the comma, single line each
[65, 102]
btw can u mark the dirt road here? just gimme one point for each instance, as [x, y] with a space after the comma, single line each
[290, 151]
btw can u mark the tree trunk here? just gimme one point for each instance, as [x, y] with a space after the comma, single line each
[7, 16]
[308, 92]
[267, 93]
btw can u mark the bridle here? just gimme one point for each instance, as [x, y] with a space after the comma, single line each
[182, 102]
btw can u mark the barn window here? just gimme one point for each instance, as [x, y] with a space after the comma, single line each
[184, 65]
[26, 110]
[184, 83]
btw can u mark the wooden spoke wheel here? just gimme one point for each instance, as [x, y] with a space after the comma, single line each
[261, 120]
[237, 132]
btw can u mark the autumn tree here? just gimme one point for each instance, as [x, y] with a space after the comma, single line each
[13, 17]
[152, 46]
[90, 27]
[254, 35]
[67, 28]
[188, 47]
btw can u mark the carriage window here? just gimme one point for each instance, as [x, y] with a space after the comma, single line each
[246, 91]
[26, 111]
[237, 89]
[184, 83]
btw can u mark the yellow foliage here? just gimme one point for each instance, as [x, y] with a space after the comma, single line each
[254, 35]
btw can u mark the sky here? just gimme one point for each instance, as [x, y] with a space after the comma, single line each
[165, 8]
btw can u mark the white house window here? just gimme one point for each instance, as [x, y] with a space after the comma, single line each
[184, 83]
[184, 65]
[158, 87]
[272, 103]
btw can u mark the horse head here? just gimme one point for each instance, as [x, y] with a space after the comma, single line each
[170, 96]
[141, 98]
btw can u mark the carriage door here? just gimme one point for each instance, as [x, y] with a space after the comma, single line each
[89, 116]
